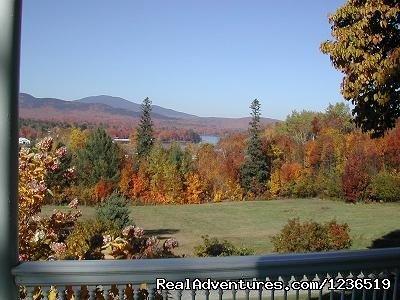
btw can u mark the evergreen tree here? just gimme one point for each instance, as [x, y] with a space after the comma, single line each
[99, 158]
[145, 138]
[256, 169]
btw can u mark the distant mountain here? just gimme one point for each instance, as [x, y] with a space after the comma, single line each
[117, 111]
[28, 101]
[118, 102]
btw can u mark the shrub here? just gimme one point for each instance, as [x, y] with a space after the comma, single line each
[83, 193]
[86, 240]
[114, 209]
[93, 239]
[330, 184]
[305, 186]
[133, 244]
[215, 247]
[311, 236]
[41, 237]
[386, 186]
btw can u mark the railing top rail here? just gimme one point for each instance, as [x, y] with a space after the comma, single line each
[218, 268]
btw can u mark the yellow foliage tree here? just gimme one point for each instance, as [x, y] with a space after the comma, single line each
[194, 192]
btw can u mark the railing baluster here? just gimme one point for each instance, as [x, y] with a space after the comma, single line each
[260, 293]
[150, 289]
[44, 290]
[364, 294]
[285, 283]
[136, 293]
[396, 284]
[165, 294]
[247, 293]
[344, 275]
[179, 294]
[92, 292]
[331, 292]
[374, 276]
[220, 294]
[385, 292]
[321, 278]
[106, 291]
[193, 294]
[234, 292]
[121, 292]
[297, 278]
[310, 277]
[272, 294]
[207, 294]
[29, 292]
[61, 293]
[76, 290]
[353, 291]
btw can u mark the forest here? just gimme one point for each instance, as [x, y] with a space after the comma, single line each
[307, 155]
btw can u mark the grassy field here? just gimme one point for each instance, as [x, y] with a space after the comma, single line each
[251, 224]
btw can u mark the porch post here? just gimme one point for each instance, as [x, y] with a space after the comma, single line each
[10, 27]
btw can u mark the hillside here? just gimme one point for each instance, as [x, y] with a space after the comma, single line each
[115, 111]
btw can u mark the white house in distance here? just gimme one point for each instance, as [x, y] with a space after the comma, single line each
[121, 141]
[24, 141]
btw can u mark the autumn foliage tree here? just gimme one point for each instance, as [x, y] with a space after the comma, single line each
[40, 237]
[102, 189]
[125, 184]
[366, 48]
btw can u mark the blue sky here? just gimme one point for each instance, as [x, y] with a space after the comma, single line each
[208, 58]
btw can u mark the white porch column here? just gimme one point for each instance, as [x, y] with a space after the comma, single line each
[10, 26]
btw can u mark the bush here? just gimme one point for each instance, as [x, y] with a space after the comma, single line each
[134, 244]
[305, 186]
[86, 240]
[330, 184]
[114, 209]
[214, 247]
[311, 236]
[386, 186]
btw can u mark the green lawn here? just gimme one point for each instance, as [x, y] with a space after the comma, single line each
[251, 224]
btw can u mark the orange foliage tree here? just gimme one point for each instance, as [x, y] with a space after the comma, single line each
[102, 189]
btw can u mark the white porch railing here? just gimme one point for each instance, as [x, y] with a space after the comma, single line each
[125, 277]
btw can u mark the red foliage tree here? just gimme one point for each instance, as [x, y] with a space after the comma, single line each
[355, 179]
[102, 189]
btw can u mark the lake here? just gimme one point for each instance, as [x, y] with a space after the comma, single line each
[210, 139]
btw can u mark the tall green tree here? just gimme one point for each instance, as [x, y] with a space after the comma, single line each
[99, 158]
[256, 169]
[145, 135]
[366, 48]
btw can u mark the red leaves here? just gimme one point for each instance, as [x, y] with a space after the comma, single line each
[102, 189]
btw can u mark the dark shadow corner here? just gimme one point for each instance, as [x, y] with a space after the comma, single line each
[389, 240]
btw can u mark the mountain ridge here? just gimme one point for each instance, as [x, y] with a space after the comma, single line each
[117, 111]
[118, 102]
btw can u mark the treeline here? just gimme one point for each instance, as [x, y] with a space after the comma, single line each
[322, 154]
[309, 154]
[38, 129]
